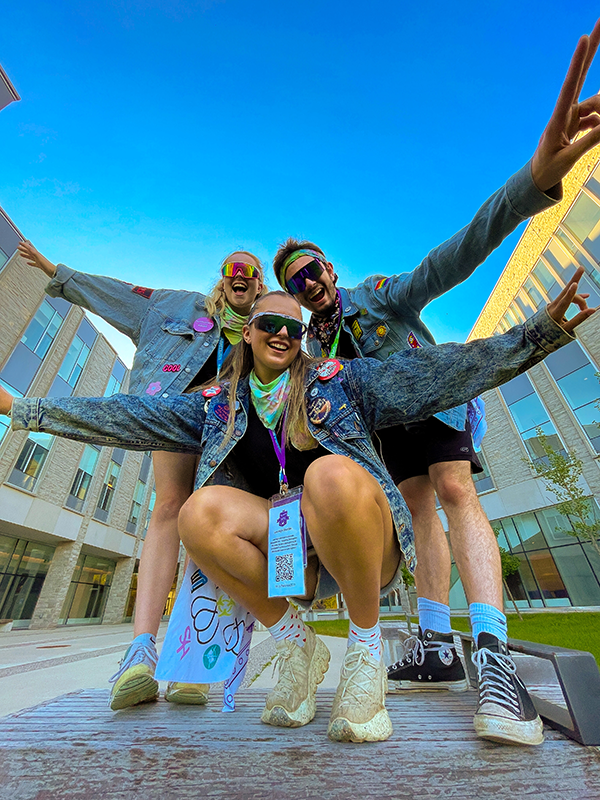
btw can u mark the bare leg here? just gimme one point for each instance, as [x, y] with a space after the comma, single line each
[351, 527]
[225, 531]
[174, 477]
[432, 576]
[473, 542]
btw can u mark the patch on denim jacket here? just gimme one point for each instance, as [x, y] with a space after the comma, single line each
[142, 291]
[413, 341]
[357, 331]
[380, 284]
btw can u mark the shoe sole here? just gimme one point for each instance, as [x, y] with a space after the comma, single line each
[397, 687]
[506, 731]
[186, 698]
[377, 729]
[136, 690]
[281, 717]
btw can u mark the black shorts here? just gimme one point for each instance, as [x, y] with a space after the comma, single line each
[409, 450]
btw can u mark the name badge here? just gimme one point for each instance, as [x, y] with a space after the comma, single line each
[287, 545]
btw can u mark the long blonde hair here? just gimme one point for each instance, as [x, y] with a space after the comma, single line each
[240, 363]
[216, 301]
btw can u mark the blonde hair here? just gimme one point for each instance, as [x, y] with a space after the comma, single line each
[240, 363]
[216, 301]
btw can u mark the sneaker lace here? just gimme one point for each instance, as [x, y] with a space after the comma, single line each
[139, 655]
[358, 683]
[495, 677]
[283, 662]
[413, 653]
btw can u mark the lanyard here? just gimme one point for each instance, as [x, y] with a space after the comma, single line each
[280, 453]
[334, 346]
[222, 354]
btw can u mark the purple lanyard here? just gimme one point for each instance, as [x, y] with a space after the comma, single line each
[280, 453]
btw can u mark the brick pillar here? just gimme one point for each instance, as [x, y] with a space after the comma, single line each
[119, 590]
[56, 585]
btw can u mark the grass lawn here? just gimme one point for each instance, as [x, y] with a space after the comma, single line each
[579, 631]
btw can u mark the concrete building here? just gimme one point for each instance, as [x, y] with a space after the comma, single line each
[559, 396]
[72, 516]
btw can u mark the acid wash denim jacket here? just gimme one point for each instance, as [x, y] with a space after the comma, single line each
[383, 315]
[160, 322]
[366, 395]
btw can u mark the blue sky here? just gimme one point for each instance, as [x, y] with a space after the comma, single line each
[155, 136]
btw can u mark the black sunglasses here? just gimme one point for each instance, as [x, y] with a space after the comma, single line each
[297, 283]
[273, 323]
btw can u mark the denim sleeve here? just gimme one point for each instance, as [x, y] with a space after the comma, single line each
[456, 259]
[415, 384]
[113, 300]
[134, 423]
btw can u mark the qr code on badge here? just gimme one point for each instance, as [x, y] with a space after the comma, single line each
[284, 568]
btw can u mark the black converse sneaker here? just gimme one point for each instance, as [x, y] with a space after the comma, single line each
[429, 663]
[505, 712]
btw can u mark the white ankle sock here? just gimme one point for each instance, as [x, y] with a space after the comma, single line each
[371, 637]
[290, 626]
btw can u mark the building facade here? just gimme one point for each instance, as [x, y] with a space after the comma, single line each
[558, 396]
[72, 516]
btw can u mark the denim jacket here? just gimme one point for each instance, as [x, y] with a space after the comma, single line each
[366, 395]
[383, 315]
[160, 323]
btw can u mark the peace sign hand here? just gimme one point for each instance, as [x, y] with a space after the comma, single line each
[557, 153]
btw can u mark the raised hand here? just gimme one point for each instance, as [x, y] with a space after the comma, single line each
[557, 152]
[558, 308]
[35, 259]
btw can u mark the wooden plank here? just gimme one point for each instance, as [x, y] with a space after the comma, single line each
[75, 747]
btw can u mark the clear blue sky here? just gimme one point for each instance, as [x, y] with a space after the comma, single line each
[155, 136]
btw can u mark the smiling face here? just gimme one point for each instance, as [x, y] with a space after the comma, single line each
[273, 352]
[241, 292]
[319, 295]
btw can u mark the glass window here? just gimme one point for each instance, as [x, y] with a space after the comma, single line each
[576, 377]
[583, 221]
[31, 459]
[138, 499]
[553, 590]
[3, 258]
[150, 510]
[83, 477]
[88, 592]
[577, 574]
[523, 585]
[483, 480]
[108, 489]
[561, 262]
[23, 569]
[42, 329]
[116, 379]
[74, 362]
[529, 414]
[547, 279]
[529, 531]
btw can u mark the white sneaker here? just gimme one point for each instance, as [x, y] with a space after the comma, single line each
[191, 694]
[292, 702]
[134, 682]
[359, 713]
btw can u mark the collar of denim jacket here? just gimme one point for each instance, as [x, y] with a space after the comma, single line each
[348, 307]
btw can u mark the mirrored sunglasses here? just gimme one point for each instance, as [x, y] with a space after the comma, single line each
[234, 268]
[274, 323]
[312, 271]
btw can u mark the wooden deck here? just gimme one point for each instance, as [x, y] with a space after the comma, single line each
[75, 747]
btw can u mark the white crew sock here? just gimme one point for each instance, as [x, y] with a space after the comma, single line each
[290, 626]
[371, 637]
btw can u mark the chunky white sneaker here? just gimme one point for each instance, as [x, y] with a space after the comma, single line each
[505, 713]
[359, 713]
[292, 702]
[190, 694]
[134, 682]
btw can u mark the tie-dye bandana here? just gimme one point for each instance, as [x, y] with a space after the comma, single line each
[232, 324]
[324, 329]
[269, 398]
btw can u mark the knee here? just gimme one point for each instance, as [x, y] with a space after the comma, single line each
[200, 518]
[330, 478]
[456, 490]
[169, 503]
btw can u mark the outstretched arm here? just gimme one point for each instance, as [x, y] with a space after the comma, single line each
[120, 304]
[557, 153]
[134, 423]
[415, 384]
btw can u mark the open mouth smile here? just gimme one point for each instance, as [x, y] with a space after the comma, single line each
[317, 295]
[240, 287]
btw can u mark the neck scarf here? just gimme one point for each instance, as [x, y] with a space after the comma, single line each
[232, 324]
[324, 329]
[269, 398]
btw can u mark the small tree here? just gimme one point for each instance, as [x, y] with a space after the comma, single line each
[561, 473]
[510, 565]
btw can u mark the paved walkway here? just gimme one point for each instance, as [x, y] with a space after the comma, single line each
[37, 666]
